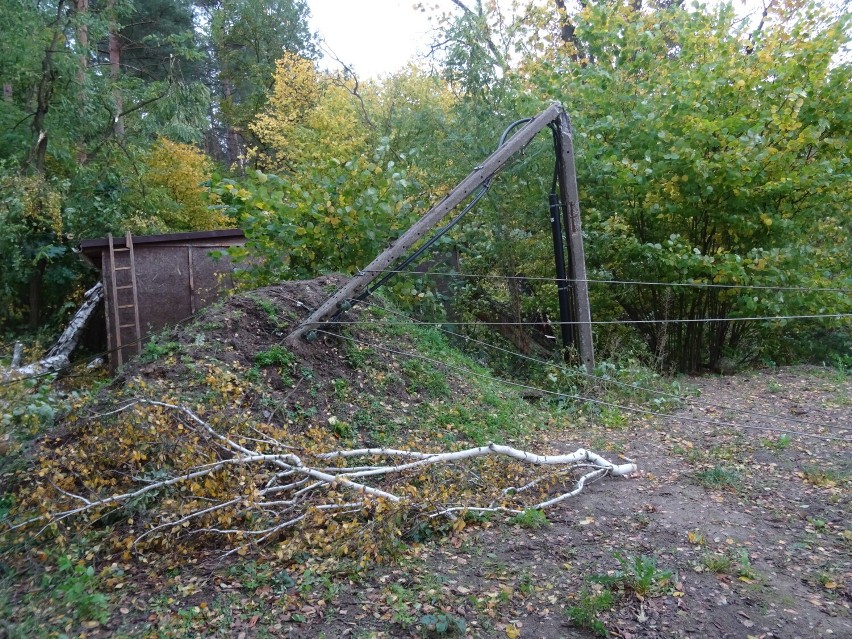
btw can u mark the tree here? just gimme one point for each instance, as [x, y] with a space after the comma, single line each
[73, 139]
[247, 37]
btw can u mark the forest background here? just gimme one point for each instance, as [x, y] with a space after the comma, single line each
[710, 149]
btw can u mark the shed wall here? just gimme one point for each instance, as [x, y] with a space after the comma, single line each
[173, 281]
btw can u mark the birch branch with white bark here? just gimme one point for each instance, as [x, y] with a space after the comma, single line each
[322, 487]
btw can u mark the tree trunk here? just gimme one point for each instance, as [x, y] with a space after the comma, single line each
[35, 293]
[58, 357]
[115, 71]
[82, 30]
[44, 93]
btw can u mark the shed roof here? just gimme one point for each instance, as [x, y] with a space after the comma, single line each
[93, 248]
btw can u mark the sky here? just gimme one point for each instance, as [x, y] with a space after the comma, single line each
[378, 37]
[375, 37]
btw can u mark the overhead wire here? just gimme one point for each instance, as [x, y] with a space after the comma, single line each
[387, 274]
[564, 395]
[606, 380]
[569, 280]
[610, 322]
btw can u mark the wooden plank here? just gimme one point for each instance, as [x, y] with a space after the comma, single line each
[117, 331]
[191, 282]
[571, 198]
[465, 188]
[129, 244]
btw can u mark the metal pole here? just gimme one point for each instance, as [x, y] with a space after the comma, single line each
[561, 278]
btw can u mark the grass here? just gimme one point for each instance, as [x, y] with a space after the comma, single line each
[717, 562]
[638, 575]
[530, 518]
[782, 442]
[585, 612]
[718, 477]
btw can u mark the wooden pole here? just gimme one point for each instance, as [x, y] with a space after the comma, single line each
[571, 199]
[466, 187]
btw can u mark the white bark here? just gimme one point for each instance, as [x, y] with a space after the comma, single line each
[58, 357]
[293, 487]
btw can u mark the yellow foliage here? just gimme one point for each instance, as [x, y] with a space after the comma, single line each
[180, 169]
[41, 205]
[309, 118]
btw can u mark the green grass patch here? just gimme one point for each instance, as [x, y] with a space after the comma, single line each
[718, 477]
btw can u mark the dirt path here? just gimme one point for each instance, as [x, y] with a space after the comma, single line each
[755, 527]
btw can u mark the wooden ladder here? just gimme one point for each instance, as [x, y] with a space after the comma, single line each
[125, 299]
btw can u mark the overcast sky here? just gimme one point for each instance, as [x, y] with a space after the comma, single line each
[376, 37]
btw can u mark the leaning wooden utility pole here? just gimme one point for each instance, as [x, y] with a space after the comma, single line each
[574, 230]
[347, 294]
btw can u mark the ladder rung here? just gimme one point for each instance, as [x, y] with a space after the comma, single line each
[127, 326]
[125, 286]
[122, 268]
[126, 306]
[122, 250]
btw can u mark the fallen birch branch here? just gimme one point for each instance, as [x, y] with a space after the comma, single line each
[59, 355]
[294, 484]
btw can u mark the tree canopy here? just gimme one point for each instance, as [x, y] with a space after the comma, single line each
[710, 149]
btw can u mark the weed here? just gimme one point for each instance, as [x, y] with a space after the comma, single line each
[818, 524]
[340, 428]
[341, 388]
[718, 477]
[399, 599]
[358, 356]
[530, 518]
[272, 311]
[639, 575]
[718, 563]
[782, 442]
[442, 624]
[156, 349]
[696, 538]
[525, 583]
[275, 356]
[745, 571]
[279, 357]
[774, 387]
[613, 418]
[821, 476]
[79, 591]
[584, 614]
[828, 580]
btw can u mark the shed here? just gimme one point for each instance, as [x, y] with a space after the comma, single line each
[153, 281]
